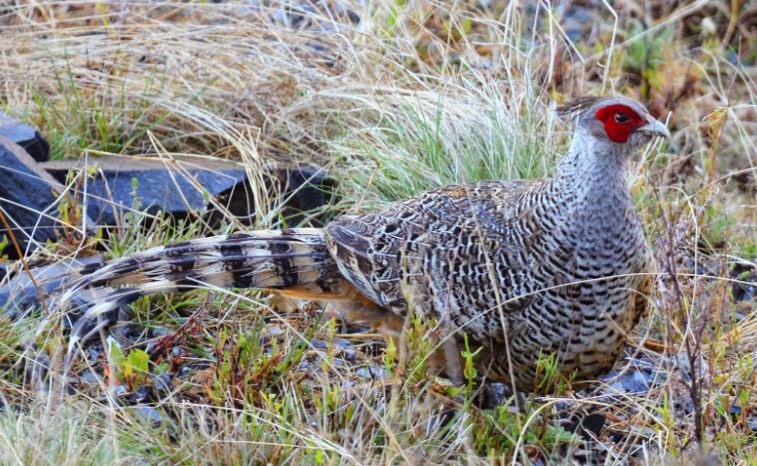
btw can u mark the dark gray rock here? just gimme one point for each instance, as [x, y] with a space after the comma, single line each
[25, 136]
[745, 289]
[20, 293]
[187, 185]
[27, 197]
[163, 383]
[304, 189]
[149, 414]
[589, 426]
[118, 390]
[140, 395]
[312, 15]
[176, 189]
[371, 372]
[307, 189]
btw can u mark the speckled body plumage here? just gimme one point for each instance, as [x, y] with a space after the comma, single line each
[522, 268]
[556, 266]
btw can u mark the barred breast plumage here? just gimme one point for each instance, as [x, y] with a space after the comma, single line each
[557, 266]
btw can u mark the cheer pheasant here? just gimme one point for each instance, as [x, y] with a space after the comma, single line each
[555, 266]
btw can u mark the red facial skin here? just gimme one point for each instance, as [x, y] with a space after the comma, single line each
[619, 131]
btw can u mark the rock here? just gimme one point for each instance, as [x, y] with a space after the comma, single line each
[745, 289]
[118, 390]
[349, 355]
[342, 343]
[493, 394]
[164, 383]
[27, 197]
[372, 373]
[311, 15]
[318, 344]
[303, 188]
[578, 21]
[25, 136]
[185, 185]
[307, 189]
[22, 293]
[90, 377]
[149, 414]
[589, 426]
[140, 395]
[176, 188]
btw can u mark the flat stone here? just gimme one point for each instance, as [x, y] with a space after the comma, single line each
[27, 197]
[185, 185]
[307, 188]
[304, 189]
[19, 293]
[174, 187]
[589, 426]
[25, 136]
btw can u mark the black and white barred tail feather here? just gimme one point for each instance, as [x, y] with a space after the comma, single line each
[267, 259]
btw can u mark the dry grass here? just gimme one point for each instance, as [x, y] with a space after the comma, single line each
[414, 95]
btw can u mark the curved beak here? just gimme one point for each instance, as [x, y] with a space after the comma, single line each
[655, 128]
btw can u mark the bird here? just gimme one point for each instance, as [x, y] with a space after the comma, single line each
[522, 269]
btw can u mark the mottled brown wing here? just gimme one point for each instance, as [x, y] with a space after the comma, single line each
[386, 254]
[375, 252]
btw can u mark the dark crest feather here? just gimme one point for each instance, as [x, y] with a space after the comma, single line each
[577, 106]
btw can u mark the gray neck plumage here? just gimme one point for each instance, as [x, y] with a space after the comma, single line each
[590, 187]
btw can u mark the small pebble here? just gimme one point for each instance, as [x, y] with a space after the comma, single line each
[342, 343]
[118, 390]
[349, 355]
[140, 395]
[319, 344]
[164, 382]
[370, 373]
[148, 413]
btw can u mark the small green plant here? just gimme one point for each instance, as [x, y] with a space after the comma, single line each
[644, 57]
[133, 370]
[469, 366]
[422, 347]
[548, 378]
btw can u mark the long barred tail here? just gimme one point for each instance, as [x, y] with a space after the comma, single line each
[289, 259]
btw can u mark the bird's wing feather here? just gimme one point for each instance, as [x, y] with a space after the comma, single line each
[386, 254]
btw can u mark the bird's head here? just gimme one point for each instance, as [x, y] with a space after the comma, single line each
[619, 123]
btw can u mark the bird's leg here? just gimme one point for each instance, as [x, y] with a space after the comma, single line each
[353, 308]
[449, 356]
[283, 303]
[363, 312]
[347, 304]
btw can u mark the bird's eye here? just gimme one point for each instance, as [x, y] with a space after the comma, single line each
[621, 118]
